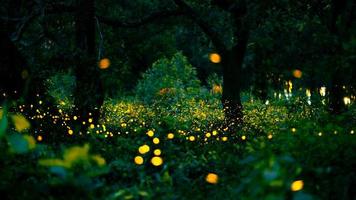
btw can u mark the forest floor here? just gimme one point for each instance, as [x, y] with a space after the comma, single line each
[286, 149]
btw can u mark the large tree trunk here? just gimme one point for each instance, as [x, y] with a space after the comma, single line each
[12, 63]
[339, 27]
[89, 93]
[232, 61]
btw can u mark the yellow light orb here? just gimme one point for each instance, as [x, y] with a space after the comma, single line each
[269, 136]
[215, 132]
[156, 161]
[150, 133]
[104, 63]
[75, 117]
[92, 126]
[70, 132]
[212, 178]
[207, 135]
[297, 185]
[294, 130]
[297, 73]
[215, 58]
[224, 138]
[191, 138]
[139, 160]
[170, 136]
[39, 138]
[157, 152]
[155, 141]
[347, 100]
[243, 137]
[217, 89]
[144, 149]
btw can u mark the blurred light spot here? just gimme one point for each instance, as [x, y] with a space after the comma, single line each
[144, 149]
[157, 152]
[139, 160]
[347, 100]
[170, 136]
[191, 138]
[297, 73]
[217, 89]
[322, 91]
[104, 63]
[39, 138]
[156, 161]
[215, 58]
[307, 92]
[150, 133]
[297, 185]
[155, 141]
[212, 178]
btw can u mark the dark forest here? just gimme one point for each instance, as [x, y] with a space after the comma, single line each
[178, 99]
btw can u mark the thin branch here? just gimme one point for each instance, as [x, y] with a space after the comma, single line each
[213, 35]
[101, 38]
[9, 19]
[23, 26]
[59, 8]
[149, 19]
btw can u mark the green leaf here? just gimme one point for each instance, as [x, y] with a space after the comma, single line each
[18, 143]
[3, 121]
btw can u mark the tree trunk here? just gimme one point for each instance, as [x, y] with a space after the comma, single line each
[340, 16]
[89, 93]
[232, 60]
[11, 61]
[336, 103]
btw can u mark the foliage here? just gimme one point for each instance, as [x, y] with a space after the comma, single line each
[61, 88]
[169, 80]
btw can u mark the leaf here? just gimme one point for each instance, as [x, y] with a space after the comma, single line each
[20, 122]
[75, 154]
[3, 122]
[18, 143]
[59, 171]
[53, 163]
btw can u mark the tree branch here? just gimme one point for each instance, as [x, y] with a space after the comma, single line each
[59, 8]
[213, 35]
[133, 24]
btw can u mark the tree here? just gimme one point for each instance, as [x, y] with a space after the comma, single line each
[89, 92]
